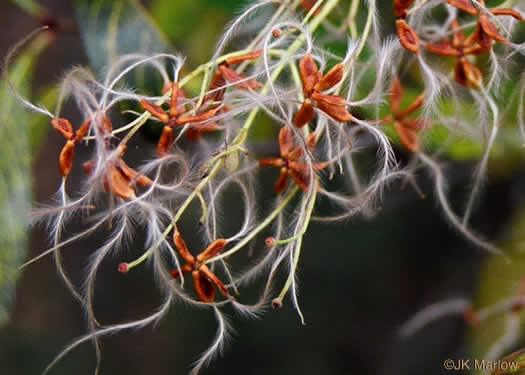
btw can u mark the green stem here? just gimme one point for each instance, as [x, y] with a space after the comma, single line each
[258, 228]
[298, 246]
[238, 141]
[350, 20]
[366, 33]
[311, 12]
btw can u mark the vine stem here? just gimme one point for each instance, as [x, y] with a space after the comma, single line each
[298, 245]
[238, 141]
[366, 33]
[350, 20]
[258, 228]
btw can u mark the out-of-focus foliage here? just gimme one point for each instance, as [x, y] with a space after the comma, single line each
[501, 278]
[15, 171]
[178, 20]
[30, 6]
[113, 28]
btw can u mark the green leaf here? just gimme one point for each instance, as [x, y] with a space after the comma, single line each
[113, 28]
[15, 172]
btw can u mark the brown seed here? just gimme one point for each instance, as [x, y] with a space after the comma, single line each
[443, 49]
[309, 4]
[400, 6]
[302, 179]
[237, 79]
[329, 99]
[183, 120]
[165, 142]
[181, 246]
[118, 184]
[464, 5]
[407, 36]
[298, 166]
[285, 141]
[185, 269]
[204, 269]
[296, 153]
[311, 141]
[337, 112]
[107, 126]
[490, 30]
[248, 56]
[468, 74]
[217, 86]
[132, 175]
[330, 79]
[174, 99]
[305, 114]
[215, 248]
[507, 12]
[408, 137]
[276, 33]
[155, 110]
[82, 131]
[309, 74]
[63, 126]
[66, 158]
[396, 95]
[281, 182]
[478, 38]
[143, 180]
[416, 124]
[271, 162]
[414, 106]
[203, 287]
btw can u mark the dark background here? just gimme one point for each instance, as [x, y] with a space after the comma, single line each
[359, 280]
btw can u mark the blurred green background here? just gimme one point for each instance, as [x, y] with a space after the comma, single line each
[359, 280]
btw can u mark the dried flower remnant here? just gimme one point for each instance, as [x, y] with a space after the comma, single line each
[204, 279]
[486, 32]
[313, 84]
[67, 154]
[225, 74]
[407, 129]
[466, 73]
[289, 161]
[120, 179]
[177, 116]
